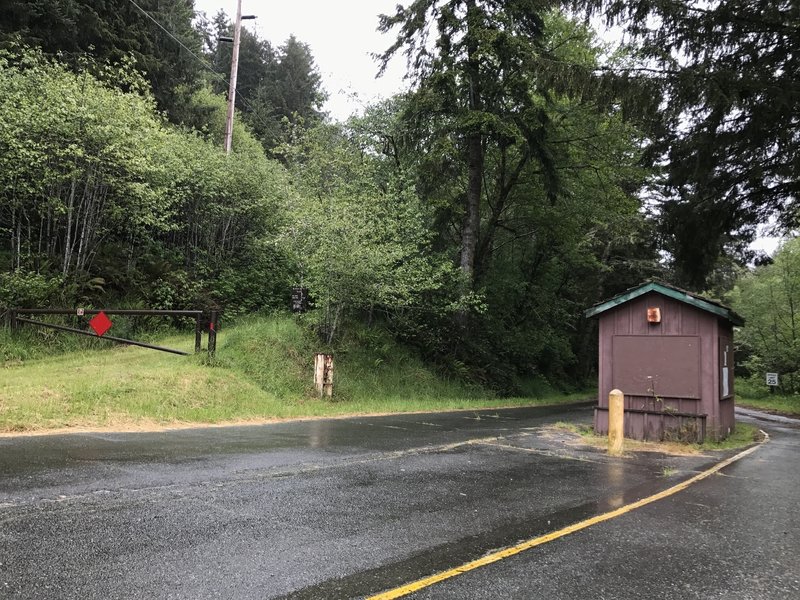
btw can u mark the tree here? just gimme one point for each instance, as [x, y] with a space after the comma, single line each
[476, 83]
[275, 88]
[730, 136]
[769, 299]
[360, 245]
[559, 223]
[298, 93]
[290, 96]
[95, 184]
[110, 31]
[257, 62]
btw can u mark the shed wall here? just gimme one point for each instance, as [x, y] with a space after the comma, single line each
[677, 319]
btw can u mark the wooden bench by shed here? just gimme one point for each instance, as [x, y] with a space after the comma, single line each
[671, 354]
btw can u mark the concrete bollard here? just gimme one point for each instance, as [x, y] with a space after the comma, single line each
[616, 422]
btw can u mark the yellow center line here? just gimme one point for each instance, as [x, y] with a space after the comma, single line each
[415, 586]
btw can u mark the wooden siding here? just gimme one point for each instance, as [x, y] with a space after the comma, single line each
[677, 319]
[655, 426]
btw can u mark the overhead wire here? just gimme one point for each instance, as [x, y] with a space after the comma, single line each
[202, 61]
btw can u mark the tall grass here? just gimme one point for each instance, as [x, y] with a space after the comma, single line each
[262, 370]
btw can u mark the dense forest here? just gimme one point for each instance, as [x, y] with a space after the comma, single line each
[531, 171]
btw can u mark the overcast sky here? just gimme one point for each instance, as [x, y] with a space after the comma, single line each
[341, 35]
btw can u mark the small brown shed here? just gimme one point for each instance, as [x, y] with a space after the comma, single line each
[671, 354]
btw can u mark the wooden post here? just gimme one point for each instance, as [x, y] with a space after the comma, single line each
[319, 372]
[237, 35]
[12, 320]
[323, 374]
[616, 422]
[328, 376]
[212, 333]
[198, 334]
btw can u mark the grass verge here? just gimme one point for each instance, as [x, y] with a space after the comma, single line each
[780, 405]
[744, 435]
[752, 393]
[263, 371]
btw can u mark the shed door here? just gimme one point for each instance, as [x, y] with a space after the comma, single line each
[654, 365]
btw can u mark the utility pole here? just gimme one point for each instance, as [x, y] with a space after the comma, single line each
[237, 36]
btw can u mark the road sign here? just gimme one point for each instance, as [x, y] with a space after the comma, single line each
[100, 323]
[79, 312]
[772, 379]
[299, 299]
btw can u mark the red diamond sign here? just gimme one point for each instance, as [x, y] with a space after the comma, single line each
[100, 323]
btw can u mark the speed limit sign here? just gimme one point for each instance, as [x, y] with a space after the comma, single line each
[772, 379]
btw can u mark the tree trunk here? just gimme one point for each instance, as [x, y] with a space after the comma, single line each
[472, 212]
[68, 240]
[13, 241]
[82, 241]
[470, 229]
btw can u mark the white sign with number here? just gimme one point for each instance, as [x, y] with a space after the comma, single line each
[772, 379]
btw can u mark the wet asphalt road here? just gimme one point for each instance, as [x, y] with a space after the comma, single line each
[345, 508]
[735, 535]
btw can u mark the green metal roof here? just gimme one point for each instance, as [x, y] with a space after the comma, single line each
[671, 292]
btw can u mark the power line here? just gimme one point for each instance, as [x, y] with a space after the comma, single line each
[202, 61]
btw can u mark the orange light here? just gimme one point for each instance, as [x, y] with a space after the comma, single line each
[654, 315]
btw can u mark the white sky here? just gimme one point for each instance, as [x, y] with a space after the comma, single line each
[341, 35]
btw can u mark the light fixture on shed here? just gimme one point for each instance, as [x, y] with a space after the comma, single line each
[654, 315]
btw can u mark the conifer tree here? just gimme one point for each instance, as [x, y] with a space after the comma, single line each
[731, 136]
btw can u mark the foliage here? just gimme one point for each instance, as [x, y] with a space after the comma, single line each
[111, 31]
[26, 288]
[94, 184]
[769, 300]
[473, 94]
[359, 245]
[727, 69]
[73, 153]
[276, 88]
[474, 217]
[555, 221]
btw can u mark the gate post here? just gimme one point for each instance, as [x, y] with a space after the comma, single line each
[212, 334]
[12, 320]
[198, 334]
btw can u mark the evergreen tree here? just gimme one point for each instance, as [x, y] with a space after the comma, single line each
[110, 30]
[557, 222]
[731, 137]
[290, 95]
[476, 83]
[274, 88]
